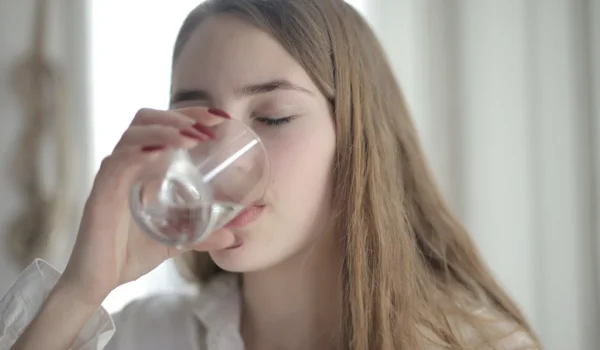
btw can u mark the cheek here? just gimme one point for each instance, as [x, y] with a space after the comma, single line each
[301, 165]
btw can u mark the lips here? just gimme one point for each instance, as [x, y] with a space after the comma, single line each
[246, 216]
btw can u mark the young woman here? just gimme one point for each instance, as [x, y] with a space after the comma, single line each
[353, 247]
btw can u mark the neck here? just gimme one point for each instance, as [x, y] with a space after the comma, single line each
[295, 305]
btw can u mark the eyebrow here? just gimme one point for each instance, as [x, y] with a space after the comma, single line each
[248, 90]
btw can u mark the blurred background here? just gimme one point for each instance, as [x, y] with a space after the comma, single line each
[505, 93]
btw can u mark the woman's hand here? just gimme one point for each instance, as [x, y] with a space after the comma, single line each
[110, 249]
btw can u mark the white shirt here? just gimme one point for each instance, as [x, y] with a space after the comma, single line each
[206, 321]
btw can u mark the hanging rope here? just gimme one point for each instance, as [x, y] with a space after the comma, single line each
[42, 97]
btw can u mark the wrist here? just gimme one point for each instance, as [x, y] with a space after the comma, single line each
[79, 293]
[57, 324]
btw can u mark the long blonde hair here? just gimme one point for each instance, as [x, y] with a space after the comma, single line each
[408, 260]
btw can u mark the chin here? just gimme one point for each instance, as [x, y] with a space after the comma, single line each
[241, 259]
[235, 263]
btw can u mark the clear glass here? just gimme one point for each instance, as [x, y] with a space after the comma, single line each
[184, 195]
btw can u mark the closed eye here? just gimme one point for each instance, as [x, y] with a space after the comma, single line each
[274, 121]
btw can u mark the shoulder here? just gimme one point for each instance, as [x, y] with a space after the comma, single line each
[468, 322]
[189, 301]
[177, 320]
[157, 307]
[158, 322]
[489, 328]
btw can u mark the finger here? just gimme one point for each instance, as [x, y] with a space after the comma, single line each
[185, 118]
[155, 134]
[204, 116]
[118, 171]
[148, 116]
[112, 184]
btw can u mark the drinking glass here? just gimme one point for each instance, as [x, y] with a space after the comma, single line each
[184, 195]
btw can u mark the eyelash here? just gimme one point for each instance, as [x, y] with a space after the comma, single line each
[275, 121]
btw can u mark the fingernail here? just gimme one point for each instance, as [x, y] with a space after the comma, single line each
[194, 135]
[204, 130]
[149, 149]
[219, 113]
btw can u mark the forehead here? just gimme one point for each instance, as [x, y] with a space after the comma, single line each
[225, 52]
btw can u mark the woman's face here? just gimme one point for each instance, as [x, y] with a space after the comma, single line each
[231, 65]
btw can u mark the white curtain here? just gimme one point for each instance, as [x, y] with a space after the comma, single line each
[506, 97]
[65, 48]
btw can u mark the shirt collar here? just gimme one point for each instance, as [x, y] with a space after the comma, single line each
[218, 306]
